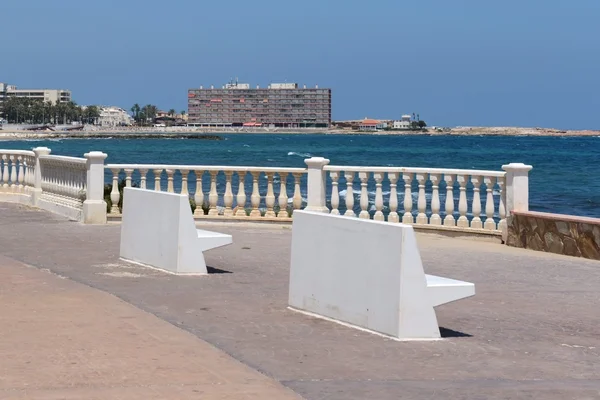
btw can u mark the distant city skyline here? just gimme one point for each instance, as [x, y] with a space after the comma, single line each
[468, 62]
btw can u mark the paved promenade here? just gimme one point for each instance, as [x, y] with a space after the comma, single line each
[531, 331]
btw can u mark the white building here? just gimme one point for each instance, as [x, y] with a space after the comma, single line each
[114, 116]
[404, 122]
[52, 95]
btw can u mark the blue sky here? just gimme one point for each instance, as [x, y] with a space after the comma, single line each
[460, 62]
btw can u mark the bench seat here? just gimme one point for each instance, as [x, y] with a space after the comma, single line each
[158, 230]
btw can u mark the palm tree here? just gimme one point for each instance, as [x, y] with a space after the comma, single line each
[135, 111]
[172, 112]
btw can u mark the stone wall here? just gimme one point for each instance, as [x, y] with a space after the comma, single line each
[555, 233]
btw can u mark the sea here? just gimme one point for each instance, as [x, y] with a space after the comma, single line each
[565, 177]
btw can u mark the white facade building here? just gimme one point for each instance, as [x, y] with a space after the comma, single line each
[404, 122]
[54, 96]
[114, 116]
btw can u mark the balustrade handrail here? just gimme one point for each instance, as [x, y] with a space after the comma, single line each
[66, 159]
[17, 152]
[206, 168]
[474, 172]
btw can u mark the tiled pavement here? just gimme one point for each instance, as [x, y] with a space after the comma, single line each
[531, 331]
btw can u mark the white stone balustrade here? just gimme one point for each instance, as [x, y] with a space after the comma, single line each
[473, 200]
[425, 190]
[17, 170]
[222, 191]
[64, 177]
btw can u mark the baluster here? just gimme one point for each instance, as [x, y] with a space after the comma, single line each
[407, 218]
[26, 173]
[378, 176]
[114, 193]
[170, 173]
[157, 177]
[364, 195]
[255, 197]
[199, 195]
[297, 203]
[143, 174]
[21, 177]
[283, 197]
[435, 200]
[490, 224]
[13, 172]
[335, 195]
[393, 216]
[501, 204]
[476, 206]
[349, 175]
[449, 205]
[422, 200]
[463, 222]
[270, 197]
[241, 195]
[184, 182]
[128, 174]
[213, 195]
[5, 171]
[228, 196]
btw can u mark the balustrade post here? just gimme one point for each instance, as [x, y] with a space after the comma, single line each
[435, 200]
[449, 204]
[335, 194]
[13, 171]
[114, 193]
[21, 174]
[517, 187]
[5, 171]
[283, 197]
[422, 200]
[378, 176]
[157, 177]
[241, 195]
[94, 206]
[364, 195]
[489, 224]
[184, 182]
[213, 195]
[199, 195]
[297, 202]
[143, 175]
[170, 187]
[502, 209]
[228, 196]
[462, 222]
[36, 192]
[349, 175]
[255, 197]
[316, 185]
[407, 218]
[270, 197]
[476, 206]
[128, 174]
[393, 215]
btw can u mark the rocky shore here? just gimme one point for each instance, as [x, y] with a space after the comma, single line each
[212, 133]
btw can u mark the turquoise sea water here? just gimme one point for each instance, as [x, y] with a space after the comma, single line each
[564, 178]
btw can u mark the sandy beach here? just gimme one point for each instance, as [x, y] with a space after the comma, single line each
[153, 132]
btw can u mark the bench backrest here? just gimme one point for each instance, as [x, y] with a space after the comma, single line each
[362, 272]
[155, 227]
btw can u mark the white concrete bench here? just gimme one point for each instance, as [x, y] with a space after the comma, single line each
[158, 230]
[366, 274]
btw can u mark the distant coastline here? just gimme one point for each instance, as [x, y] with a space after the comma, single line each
[209, 133]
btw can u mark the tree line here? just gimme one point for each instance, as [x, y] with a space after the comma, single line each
[18, 110]
[147, 114]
